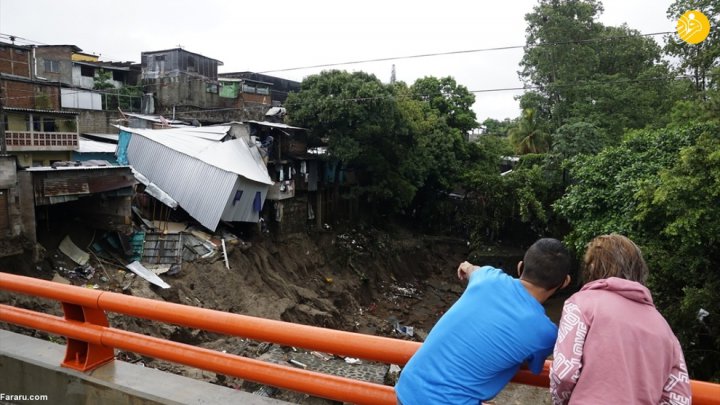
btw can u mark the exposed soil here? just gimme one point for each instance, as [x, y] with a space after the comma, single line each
[359, 280]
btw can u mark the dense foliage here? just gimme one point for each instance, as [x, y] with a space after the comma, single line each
[661, 188]
[611, 139]
[579, 69]
[403, 141]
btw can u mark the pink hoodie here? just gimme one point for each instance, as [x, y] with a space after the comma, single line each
[614, 347]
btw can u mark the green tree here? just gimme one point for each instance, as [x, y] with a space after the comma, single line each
[452, 101]
[660, 188]
[559, 53]
[366, 130]
[514, 207]
[497, 128]
[577, 138]
[102, 80]
[583, 71]
[527, 136]
[700, 59]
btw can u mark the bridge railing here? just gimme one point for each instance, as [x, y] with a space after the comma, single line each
[91, 342]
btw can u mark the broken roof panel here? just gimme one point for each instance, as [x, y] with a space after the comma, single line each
[274, 125]
[155, 118]
[211, 180]
[233, 156]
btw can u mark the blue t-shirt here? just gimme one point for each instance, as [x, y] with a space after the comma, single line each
[478, 345]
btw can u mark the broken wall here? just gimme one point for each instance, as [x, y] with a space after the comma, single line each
[17, 215]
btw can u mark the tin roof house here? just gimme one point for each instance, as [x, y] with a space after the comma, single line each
[208, 172]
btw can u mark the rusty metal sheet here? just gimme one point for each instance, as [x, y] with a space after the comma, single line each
[162, 248]
[65, 186]
[98, 184]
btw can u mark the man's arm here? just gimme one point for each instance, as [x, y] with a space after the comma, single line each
[465, 270]
[567, 356]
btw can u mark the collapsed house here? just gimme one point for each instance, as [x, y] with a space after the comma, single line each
[210, 173]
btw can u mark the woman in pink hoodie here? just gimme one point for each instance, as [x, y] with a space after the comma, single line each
[613, 346]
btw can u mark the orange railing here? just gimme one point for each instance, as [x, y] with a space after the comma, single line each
[91, 342]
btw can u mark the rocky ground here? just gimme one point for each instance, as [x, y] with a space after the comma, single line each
[354, 279]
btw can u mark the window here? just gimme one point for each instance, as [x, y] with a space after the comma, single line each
[52, 66]
[248, 88]
[263, 90]
[49, 125]
[159, 58]
[118, 76]
[212, 88]
[36, 124]
[87, 71]
[238, 196]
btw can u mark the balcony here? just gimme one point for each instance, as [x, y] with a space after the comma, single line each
[26, 141]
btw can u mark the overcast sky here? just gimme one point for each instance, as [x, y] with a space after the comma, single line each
[265, 36]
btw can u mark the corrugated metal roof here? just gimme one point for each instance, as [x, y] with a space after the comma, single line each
[201, 189]
[201, 174]
[102, 65]
[234, 156]
[180, 50]
[83, 166]
[90, 146]
[274, 125]
[154, 118]
[40, 111]
[235, 79]
[101, 135]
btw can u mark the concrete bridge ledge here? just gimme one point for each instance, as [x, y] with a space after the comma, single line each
[31, 366]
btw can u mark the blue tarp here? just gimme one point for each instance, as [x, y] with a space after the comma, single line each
[123, 141]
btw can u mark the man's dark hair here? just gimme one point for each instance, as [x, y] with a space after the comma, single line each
[546, 263]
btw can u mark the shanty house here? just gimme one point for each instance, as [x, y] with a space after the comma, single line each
[212, 175]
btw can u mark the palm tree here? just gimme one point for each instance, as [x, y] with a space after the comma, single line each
[527, 137]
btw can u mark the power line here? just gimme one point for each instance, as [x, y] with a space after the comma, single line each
[427, 55]
[491, 49]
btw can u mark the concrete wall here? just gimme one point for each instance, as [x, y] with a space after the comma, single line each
[18, 211]
[96, 121]
[27, 206]
[8, 175]
[60, 53]
[38, 158]
[294, 215]
[31, 366]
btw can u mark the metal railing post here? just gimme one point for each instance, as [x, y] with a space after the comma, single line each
[81, 355]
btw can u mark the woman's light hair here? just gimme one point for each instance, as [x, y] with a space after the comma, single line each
[614, 255]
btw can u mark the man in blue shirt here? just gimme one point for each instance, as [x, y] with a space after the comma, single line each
[498, 323]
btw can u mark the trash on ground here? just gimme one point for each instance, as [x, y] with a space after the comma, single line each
[321, 356]
[352, 360]
[404, 329]
[73, 252]
[297, 364]
[169, 227]
[141, 271]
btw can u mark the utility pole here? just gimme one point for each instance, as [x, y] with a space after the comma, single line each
[3, 144]
[392, 75]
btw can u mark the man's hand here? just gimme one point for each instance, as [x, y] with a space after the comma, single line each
[465, 270]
